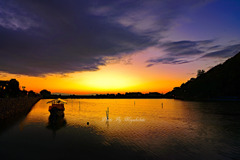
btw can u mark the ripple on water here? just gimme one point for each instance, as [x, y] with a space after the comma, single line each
[178, 130]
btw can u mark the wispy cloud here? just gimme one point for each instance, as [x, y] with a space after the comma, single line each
[225, 52]
[185, 48]
[149, 18]
[15, 18]
[181, 52]
[167, 60]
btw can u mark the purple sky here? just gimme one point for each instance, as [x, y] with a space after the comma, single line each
[59, 36]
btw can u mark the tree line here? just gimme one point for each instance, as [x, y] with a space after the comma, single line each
[11, 89]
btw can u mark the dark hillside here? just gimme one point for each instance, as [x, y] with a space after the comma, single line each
[220, 82]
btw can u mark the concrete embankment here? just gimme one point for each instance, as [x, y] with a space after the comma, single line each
[11, 108]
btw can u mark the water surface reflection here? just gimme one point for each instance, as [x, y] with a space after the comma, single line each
[55, 123]
[130, 129]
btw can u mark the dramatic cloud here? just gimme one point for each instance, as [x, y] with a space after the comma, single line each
[40, 37]
[150, 18]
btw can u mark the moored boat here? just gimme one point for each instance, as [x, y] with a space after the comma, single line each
[57, 107]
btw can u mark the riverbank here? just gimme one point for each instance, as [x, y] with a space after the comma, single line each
[11, 108]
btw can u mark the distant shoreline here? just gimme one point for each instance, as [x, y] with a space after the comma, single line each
[224, 99]
[94, 97]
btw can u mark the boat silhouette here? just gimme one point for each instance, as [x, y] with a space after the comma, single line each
[57, 107]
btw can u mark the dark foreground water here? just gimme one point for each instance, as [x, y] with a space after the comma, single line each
[136, 129]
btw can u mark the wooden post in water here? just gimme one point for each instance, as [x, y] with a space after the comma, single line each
[107, 113]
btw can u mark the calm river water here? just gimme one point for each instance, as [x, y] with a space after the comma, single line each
[136, 129]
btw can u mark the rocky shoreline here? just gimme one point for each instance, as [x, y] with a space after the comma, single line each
[11, 108]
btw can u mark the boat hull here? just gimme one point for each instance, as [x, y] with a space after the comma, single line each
[56, 112]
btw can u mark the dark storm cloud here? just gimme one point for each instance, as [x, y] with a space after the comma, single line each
[58, 36]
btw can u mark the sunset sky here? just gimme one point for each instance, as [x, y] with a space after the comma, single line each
[103, 46]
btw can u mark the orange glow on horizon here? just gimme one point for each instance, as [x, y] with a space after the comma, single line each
[109, 79]
[114, 77]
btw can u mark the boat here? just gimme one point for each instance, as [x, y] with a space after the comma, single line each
[57, 107]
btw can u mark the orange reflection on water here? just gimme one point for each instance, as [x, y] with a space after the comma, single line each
[162, 127]
[141, 122]
[39, 113]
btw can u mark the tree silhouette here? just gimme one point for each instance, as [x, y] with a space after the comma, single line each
[12, 88]
[45, 93]
[32, 94]
[200, 72]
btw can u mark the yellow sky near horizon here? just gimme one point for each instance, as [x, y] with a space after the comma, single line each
[115, 77]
